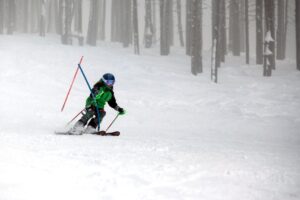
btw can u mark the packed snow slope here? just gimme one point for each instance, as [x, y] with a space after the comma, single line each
[183, 137]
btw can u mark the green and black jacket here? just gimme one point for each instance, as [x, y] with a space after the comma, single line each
[102, 95]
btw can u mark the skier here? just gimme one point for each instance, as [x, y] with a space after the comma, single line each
[103, 92]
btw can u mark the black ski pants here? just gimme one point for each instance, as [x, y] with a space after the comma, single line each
[90, 117]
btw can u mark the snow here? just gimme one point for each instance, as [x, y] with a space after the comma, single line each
[268, 51]
[269, 37]
[183, 137]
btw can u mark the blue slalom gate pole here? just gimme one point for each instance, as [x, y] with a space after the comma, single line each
[93, 95]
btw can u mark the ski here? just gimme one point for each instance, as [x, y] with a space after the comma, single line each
[65, 133]
[104, 133]
[100, 133]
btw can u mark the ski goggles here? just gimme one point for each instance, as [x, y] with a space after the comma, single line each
[109, 82]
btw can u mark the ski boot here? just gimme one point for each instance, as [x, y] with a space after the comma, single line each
[77, 129]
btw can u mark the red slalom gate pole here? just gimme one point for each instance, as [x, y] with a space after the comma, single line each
[67, 96]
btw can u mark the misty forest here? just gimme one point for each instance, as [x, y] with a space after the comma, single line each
[234, 24]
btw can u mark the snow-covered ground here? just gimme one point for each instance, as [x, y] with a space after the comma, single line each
[183, 137]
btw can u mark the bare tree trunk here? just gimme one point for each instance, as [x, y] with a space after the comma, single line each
[272, 45]
[60, 18]
[114, 26]
[214, 68]
[18, 19]
[50, 16]
[42, 21]
[235, 28]
[230, 26]
[25, 16]
[242, 24]
[270, 26]
[188, 26]
[78, 17]
[164, 27]
[169, 17]
[34, 16]
[121, 20]
[102, 19]
[286, 25]
[135, 28]
[281, 29]
[154, 38]
[215, 62]
[216, 30]
[196, 37]
[247, 31]
[2, 16]
[126, 33]
[180, 31]
[77, 10]
[103, 27]
[148, 32]
[269, 57]
[93, 23]
[66, 37]
[297, 3]
[259, 32]
[223, 35]
[11, 17]
[119, 14]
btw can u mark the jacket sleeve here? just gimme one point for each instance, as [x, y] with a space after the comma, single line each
[112, 102]
[90, 100]
[95, 88]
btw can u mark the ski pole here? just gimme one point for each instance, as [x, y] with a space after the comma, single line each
[75, 117]
[112, 122]
[67, 96]
[93, 95]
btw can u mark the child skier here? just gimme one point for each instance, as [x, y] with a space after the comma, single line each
[103, 92]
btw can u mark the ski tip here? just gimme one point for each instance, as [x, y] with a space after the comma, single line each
[104, 133]
[116, 133]
[64, 133]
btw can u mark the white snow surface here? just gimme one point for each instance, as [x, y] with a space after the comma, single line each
[183, 137]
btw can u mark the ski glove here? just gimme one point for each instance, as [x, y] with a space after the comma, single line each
[121, 111]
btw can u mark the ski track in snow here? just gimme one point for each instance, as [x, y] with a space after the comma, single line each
[183, 137]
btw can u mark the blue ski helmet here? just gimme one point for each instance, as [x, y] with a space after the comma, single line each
[108, 79]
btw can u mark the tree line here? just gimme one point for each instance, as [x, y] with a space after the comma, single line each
[271, 19]
[163, 19]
